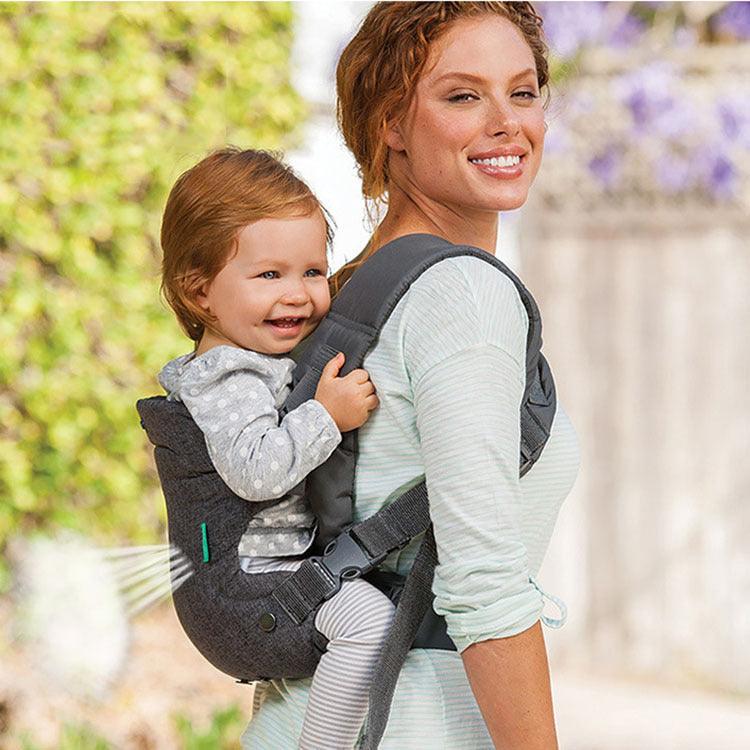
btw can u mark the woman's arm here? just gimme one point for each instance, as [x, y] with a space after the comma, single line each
[510, 680]
[466, 359]
[482, 579]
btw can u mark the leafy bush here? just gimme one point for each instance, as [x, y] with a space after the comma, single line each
[222, 733]
[101, 107]
[72, 737]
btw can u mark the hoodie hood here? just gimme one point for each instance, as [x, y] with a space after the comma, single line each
[171, 374]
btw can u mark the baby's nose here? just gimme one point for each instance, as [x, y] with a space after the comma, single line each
[296, 294]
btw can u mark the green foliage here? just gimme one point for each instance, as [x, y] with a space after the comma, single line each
[27, 743]
[102, 106]
[73, 737]
[82, 737]
[222, 733]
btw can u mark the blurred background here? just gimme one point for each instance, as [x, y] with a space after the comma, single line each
[634, 243]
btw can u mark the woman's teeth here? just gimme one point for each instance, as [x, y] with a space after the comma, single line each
[499, 161]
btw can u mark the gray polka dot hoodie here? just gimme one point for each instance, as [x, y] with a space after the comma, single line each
[233, 395]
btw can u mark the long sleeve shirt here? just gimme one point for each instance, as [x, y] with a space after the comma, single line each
[449, 368]
[234, 395]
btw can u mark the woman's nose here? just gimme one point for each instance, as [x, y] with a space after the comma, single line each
[503, 121]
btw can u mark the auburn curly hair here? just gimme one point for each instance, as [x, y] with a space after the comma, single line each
[378, 71]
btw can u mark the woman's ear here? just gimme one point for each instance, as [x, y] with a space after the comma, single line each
[393, 137]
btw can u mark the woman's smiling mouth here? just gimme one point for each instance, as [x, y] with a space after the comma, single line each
[502, 166]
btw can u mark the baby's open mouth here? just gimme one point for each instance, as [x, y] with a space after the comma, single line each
[286, 322]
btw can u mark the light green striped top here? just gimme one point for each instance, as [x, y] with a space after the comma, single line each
[449, 369]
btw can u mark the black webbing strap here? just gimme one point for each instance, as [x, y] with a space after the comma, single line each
[309, 586]
[412, 606]
[354, 552]
[359, 549]
[397, 523]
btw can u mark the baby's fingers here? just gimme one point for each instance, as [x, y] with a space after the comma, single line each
[372, 402]
[367, 387]
[359, 376]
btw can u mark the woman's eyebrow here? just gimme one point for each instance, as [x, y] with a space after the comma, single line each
[480, 79]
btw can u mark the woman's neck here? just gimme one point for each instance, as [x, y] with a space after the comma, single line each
[409, 214]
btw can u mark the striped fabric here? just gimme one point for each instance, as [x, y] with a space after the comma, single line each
[449, 370]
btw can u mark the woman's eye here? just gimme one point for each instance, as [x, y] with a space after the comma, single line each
[526, 95]
[268, 275]
[462, 97]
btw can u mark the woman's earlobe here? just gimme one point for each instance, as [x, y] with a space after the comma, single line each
[392, 137]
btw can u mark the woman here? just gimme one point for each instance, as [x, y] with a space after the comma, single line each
[440, 104]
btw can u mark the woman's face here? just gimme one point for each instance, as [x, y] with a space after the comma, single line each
[473, 135]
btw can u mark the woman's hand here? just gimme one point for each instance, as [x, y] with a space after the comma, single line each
[350, 399]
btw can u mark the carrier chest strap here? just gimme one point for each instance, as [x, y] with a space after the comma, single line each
[353, 553]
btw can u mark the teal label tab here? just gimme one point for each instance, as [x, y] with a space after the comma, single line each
[204, 540]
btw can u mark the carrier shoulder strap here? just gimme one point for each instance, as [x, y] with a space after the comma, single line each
[353, 325]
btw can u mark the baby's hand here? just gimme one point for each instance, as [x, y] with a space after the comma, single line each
[350, 399]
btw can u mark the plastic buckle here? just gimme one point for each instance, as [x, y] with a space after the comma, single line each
[344, 559]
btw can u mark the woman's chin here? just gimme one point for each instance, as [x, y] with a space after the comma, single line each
[513, 205]
[502, 198]
[510, 202]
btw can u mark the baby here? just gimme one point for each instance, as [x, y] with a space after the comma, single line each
[245, 271]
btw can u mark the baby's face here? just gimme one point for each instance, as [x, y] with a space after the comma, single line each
[273, 292]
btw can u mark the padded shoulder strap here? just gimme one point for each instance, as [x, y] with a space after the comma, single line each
[353, 326]
[367, 300]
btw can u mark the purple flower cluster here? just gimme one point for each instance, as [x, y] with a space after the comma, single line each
[569, 26]
[648, 94]
[607, 166]
[734, 19]
[686, 145]
[734, 118]
[662, 109]
[688, 142]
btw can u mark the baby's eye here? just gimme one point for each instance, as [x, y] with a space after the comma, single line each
[314, 272]
[268, 275]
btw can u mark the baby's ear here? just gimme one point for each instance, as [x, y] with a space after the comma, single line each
[196, 287]
[201, 297]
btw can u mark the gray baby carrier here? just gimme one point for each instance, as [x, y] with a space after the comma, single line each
[261, 626]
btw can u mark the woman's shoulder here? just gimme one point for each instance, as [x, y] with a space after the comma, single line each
[474, 278]
[461, 303]
[467, 291]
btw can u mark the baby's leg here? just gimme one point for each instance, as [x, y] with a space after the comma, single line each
[355, 621]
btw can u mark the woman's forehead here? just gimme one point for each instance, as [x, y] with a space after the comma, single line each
[487, 47]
